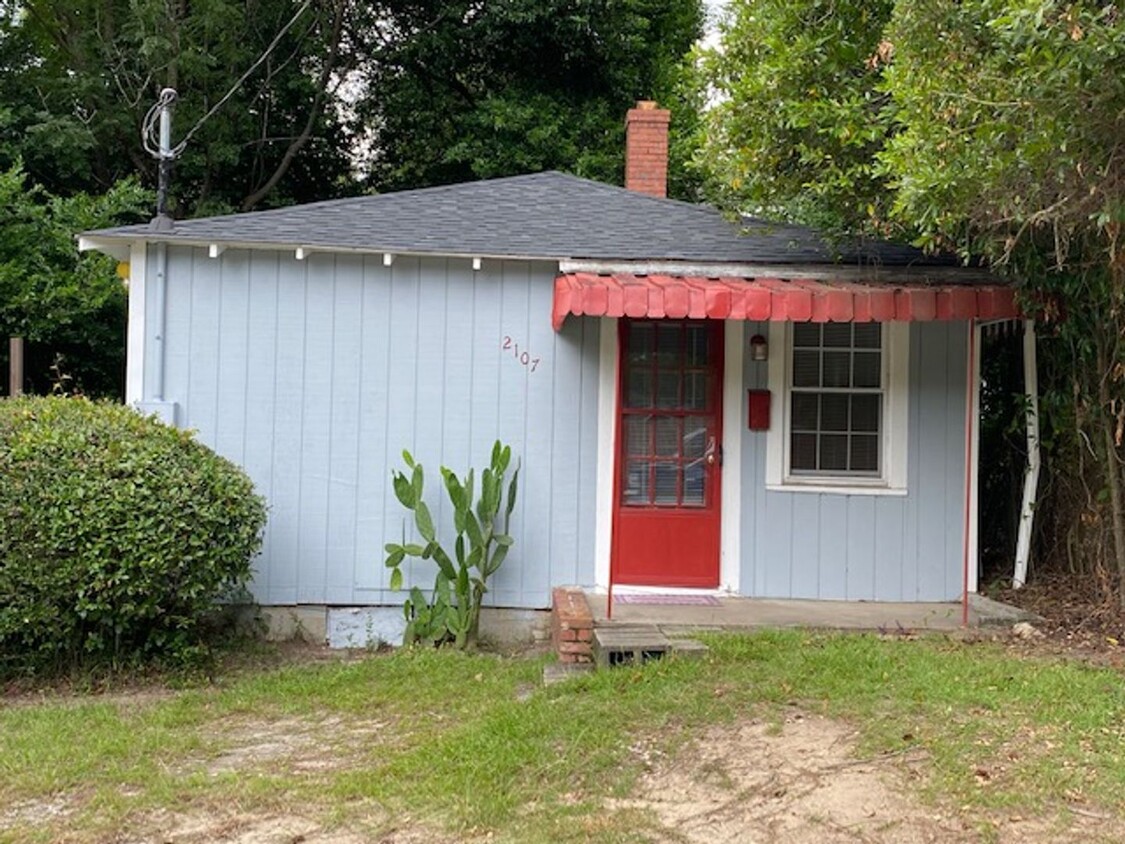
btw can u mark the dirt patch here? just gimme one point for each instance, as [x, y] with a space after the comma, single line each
[801, 783]
[264, 828]
[293, 743]
[25, 812]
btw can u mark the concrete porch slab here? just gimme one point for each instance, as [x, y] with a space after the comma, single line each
[737, 613]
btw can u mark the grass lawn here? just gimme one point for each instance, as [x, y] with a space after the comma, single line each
[426, 745]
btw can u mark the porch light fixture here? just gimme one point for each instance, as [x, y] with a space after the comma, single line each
[759, 348]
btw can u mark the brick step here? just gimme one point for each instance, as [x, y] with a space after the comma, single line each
[572, 626]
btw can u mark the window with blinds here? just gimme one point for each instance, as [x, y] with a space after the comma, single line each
[836, 399]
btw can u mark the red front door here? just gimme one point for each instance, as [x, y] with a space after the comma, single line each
[669, 453]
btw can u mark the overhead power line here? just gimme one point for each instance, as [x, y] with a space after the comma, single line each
[149, 127]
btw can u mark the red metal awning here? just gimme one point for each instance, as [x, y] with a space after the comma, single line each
[793, 300]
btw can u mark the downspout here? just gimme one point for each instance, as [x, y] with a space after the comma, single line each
[158, 294]
[970, 403]
[1031, 476]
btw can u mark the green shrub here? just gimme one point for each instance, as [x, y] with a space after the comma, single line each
[118, 535]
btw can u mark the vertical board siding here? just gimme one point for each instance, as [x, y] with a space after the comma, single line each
[233, 352]
[343, 464]
[314, 375]
[857, 547]
[277, 575]
[375, 409]
[258, 446]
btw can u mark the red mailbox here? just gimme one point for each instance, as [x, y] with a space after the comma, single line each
[758, 416]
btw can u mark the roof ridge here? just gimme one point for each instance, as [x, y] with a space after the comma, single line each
[705, 207]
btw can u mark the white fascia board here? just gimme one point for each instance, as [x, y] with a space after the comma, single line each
[117, 249]
[122, 243]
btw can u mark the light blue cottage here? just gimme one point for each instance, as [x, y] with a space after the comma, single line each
[696, 403]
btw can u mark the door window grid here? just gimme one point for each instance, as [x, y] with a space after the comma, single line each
[836, 399]
[667, 414]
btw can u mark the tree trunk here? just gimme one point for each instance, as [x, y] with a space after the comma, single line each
[1113, 464]
[15, 367]
[298, 143]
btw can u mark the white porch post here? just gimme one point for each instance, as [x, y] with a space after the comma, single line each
[1031, 476]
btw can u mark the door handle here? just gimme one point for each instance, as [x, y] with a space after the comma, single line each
[713, 454]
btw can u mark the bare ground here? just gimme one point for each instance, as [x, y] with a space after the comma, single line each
[801, 783]
[794, 782]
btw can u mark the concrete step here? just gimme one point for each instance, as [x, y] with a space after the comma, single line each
[632, 645]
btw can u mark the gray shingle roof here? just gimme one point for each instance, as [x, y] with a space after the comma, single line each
[542, 215]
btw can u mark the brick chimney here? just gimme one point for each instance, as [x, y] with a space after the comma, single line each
[646, 149]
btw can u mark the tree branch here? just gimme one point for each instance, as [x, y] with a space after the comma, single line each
[315, 109]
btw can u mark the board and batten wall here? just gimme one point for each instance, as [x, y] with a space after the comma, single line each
[869, 547]
[314, 375]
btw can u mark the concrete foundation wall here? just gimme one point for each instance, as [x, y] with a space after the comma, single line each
[361, 627]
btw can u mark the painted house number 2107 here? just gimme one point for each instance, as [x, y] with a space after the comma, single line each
[522, 356]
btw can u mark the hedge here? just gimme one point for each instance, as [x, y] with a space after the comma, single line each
[118, 535]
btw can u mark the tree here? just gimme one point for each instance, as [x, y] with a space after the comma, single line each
[461, 90]
[991, 128]
[271, 97]
[799, 116]
[69, 307]
[1009, 125]
[444, 90]
[77, 76]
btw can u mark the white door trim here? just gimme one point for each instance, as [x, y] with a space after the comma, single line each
[730, 517]
[607, 431]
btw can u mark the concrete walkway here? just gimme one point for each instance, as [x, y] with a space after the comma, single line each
[734, 613]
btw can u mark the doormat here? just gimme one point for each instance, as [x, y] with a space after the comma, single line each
[684, 600]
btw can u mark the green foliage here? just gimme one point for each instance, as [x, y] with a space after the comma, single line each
[1009, 115]
[988, 127]
[462, 90]
[60, 301]
[117, 535]
[453, 612]
[76, 77]
[798, 115]
[975, 124]
[436, 91]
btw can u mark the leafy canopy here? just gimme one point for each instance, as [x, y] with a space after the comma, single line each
[975, 124]
[453, 91]
[990, 127]
[63, 301]
[798, 115]
[76, 77]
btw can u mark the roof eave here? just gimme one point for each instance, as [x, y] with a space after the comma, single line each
[118, 249]
[886, 273]
[116, 243]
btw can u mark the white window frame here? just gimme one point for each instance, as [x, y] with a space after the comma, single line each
[895, 416]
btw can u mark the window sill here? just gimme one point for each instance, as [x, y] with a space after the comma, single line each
[841, 488]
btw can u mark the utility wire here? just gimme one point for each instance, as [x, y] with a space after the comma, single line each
[150, 136]
[149, 126]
